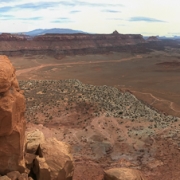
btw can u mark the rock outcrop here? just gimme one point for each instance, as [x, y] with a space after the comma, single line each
[51, 160]
[12, 122]
[123, 174]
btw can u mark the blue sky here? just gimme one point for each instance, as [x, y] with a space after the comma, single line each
[148, 17]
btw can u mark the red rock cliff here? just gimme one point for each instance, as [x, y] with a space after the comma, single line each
[68, 43]
[12, 122]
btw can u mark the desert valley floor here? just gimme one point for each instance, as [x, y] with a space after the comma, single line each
[114, 109]
[151, 77]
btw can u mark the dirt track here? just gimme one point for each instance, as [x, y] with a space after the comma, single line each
[157, 99]
[22, 71]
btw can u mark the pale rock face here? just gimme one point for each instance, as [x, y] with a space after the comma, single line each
[12, 122]
[123, 174]
[33, 139]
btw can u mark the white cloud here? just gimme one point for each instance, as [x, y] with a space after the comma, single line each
[102, 16]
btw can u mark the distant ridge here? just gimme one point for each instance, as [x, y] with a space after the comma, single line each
[37, 32]
[163, 37]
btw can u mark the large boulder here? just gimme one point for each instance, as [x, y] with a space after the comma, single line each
[123, 174]
[57, 160]
[12, 122]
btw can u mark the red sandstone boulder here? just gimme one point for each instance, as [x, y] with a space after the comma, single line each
[12, 122]
[57, 161]
[7, 74]
[123, 174]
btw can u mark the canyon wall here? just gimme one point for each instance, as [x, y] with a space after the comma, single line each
[71, 44]
[64, 44]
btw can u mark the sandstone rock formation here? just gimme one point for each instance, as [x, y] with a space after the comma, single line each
[58, 158]
[7, 75]
[49, 159]
[123, 174]
[12, 122]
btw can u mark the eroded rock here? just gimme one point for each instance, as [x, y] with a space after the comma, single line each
[58, 158]
[7, 74]
[12, 122]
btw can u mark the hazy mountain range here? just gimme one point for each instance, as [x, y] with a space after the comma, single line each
[37, 32]
[52, 31]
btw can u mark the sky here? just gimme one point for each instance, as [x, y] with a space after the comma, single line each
[146, 17]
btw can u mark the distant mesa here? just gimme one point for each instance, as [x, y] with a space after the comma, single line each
[116, 32]
[74, 43]
[13, 37]
[152, 38]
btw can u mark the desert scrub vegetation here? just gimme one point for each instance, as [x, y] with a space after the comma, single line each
[47, 100]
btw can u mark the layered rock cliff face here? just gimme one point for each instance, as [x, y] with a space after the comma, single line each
[58, 44]
[13, 37]
[12, 123]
